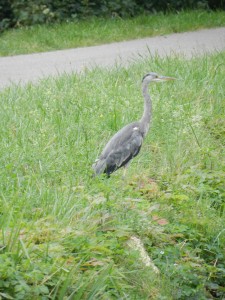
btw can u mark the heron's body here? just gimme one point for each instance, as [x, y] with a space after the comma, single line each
[127, 142]
[122, 147]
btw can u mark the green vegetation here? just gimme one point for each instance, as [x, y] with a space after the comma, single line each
[98, 31]
[64, 235]
[16, 13]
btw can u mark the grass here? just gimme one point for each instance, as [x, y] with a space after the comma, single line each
[98, 31]
[65, 235]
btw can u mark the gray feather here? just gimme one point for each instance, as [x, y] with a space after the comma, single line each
[99, 166]
[122, 147]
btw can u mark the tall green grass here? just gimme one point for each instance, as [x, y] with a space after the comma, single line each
[64, 234]
[98, 31]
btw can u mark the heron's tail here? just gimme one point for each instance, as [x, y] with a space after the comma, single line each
[99, 166]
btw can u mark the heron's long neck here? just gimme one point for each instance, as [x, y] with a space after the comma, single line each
[146, 118]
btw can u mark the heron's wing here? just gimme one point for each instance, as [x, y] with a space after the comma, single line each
[123, 151]
[99, 166]
[122, 147]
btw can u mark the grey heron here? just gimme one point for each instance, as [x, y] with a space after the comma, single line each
[127, 142]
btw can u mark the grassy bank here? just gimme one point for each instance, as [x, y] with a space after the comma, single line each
[65, 235]
[99, 31]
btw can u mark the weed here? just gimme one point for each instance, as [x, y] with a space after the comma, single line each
[96, 31]
[64, 234]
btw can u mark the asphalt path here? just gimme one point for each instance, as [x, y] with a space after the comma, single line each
[22, 69]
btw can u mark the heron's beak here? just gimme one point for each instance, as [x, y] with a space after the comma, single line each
[164, 78]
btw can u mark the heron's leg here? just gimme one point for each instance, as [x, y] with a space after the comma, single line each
[124, 173]
[125, 170]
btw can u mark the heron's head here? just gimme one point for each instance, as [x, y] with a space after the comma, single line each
[154, 77]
